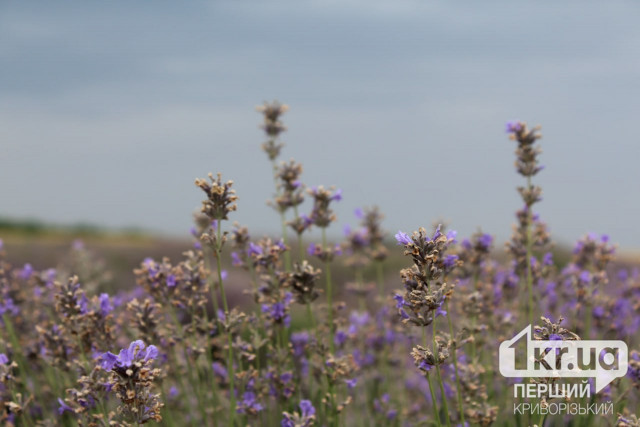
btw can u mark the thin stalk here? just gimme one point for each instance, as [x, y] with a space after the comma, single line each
[474, 319]
[194, 384]
[327, 272]
[435, 353]
[362, 303]
[300, 248]
[312, 323]
[529, 254]
[433, 395]
[455, 365]
[283, 218]
[230, 368]
[380, 277]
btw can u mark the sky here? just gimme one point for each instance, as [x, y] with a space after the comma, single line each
[110, 110]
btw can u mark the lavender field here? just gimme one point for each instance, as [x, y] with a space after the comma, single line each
[380, 327]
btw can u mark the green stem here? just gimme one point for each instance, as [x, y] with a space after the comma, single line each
[225, 304]
[327, 268]
[362, 302]
[300, 247]
[442, 394]
[380, 277]
[529, 254]
[434, 402]
[455, 365]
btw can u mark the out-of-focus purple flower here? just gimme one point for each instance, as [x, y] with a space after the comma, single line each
[400, 302]
[623, 274]
[173, 392]
[451, 235]
[358, 213]
[437, 233]
[3, 359]
[351, 383]
[278, 311]
[219, 370]
[311, 250]
[105, 304]
[137, 351]
[359, 319]
[299, 340]
[9, 307]
[598, 311]
[585, 276]
[337, 196]
[235, 259]
[513, 126]
[26, 271]
[64, 407]
[249, 403]
[450, 261]
[83, 302]
[306, 219]
[403, 238]
[485, 240]
[425, 366]
[171, 281]
[340, 338]
[224, 274]
[547, 259]
[307, 409]
[77, 245]
[254, 249]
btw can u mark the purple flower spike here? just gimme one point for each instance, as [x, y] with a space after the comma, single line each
[403, 238]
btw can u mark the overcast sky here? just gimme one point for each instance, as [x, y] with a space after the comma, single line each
[109, 110]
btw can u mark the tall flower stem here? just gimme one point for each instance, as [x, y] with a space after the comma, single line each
[455, 365]
[434, 402]
[300, 247]
[327, 272]
[225, 304]
[380, 278]
[283, 219]
[435, 353]
[529, 255]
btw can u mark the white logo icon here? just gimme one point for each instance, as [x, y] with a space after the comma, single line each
[603, 360]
